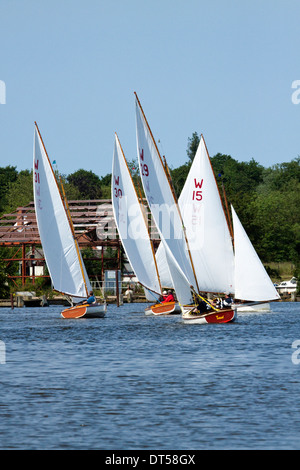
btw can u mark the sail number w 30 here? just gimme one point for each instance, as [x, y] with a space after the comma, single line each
[117, 191]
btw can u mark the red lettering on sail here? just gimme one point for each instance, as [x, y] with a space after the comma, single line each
[197, 195]
[118, 191]
[142, 155]
[197, 184]
[37, 185]
[145, 171]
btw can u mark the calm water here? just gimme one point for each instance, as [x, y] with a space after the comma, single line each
[130, 381]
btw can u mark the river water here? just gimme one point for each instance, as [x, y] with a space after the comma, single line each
[131, 381]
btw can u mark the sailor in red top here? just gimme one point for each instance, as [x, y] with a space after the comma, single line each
[169, 297]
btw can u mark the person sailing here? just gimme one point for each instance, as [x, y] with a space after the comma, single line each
[169, 297]
[201, 306]
[228, 300]
[91, 299]
[220, 303]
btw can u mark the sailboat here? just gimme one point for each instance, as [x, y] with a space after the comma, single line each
[134, 233]
[199, 238]
[61, 250]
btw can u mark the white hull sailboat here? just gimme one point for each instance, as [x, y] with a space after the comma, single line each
[61, 250]
[225, 315]
[199, 240]
[133, 231]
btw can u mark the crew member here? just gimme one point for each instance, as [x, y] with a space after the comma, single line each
[169, 297]
[227, 301]
[92, 299]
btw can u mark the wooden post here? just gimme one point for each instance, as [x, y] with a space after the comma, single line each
[117, 287]
[23, 264]
[33, 263]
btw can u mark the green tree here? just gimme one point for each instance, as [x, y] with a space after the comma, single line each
[280, 176]
[106, 180]
[276, 221]
[8, 175]
[193, 143]
[71, 191]
[179, 176]
[20, 191]
[4, 287]
[237, 177]
[88, 184]
[106, 186]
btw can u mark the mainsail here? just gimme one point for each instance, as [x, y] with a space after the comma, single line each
[164, 209]
[60, 248]
[131, 223]
[160, 197]
[206, 226]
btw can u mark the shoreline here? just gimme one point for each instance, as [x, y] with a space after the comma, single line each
[42, 301]
[32, 301]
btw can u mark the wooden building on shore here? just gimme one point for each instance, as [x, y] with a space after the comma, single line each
[95, 231]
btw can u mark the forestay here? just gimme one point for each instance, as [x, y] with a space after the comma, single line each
[62, 256]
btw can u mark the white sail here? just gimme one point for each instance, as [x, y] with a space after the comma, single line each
[163, 267]
[206, 226]
[61, 251]
[161, 199]
[131, 223]
[179, 281]
[251, 279]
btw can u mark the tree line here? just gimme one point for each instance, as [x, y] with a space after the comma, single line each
[267, 200]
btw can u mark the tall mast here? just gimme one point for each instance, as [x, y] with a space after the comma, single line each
[173, 193]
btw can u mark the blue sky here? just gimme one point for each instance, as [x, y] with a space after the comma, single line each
[223, 68]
